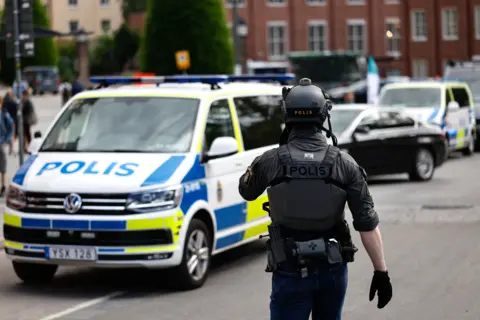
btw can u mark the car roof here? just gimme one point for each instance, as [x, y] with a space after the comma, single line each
[190, 90]
[423, 84]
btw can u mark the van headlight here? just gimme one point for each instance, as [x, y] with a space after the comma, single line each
[16, 198]
[154, 200]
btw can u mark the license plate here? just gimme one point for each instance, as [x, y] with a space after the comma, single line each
[72, 253]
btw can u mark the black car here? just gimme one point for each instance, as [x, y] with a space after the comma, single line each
[387, 141]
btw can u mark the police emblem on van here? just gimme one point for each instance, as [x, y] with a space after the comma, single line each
[219, 192]
[72, 203]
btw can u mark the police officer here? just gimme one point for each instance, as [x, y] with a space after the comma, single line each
[309, 182]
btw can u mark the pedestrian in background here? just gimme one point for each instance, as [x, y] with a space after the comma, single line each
[10, 105]
[65, 89]
[349, 97]
[6, 133]
[29, 118]
[77, 86]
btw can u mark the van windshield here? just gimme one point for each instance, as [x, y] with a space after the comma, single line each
[411, 97]
[125, 124]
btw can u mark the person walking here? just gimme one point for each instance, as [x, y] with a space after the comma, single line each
[29, 118]
[6, 133]
[308, 183]
[10, 105]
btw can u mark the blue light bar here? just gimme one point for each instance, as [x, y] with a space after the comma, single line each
[262, 77]
[208, 79]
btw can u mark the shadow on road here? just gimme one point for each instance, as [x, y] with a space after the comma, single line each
[86, 283]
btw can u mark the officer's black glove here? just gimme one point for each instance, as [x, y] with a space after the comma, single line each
[382, 286]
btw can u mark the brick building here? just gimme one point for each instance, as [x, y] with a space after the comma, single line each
[421, 35]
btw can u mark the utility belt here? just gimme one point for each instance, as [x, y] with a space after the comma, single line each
[304, 254]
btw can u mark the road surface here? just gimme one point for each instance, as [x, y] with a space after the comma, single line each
[431, 242]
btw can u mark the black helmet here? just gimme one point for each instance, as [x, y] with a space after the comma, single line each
[307, 104]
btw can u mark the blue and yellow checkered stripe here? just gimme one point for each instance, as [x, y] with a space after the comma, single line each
[459, 135]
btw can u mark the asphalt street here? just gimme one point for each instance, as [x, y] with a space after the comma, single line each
[431, 243]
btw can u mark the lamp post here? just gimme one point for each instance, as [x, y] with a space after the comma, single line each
[240, 31]
[81, 39]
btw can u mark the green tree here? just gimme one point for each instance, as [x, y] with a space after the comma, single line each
[45, 49]
[125, 46]
[132, 6]
[197, 26]
[102, 58]
[67, 51]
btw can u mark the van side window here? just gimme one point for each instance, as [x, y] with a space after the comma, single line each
[261, 120]
[219, 123]
[461, 96]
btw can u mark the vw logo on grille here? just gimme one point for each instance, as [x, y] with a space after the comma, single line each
[72, 203]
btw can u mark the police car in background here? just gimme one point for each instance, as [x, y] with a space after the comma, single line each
[144, 175]
[446, 104]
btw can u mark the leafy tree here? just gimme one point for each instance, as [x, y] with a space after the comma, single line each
[45, 49]
[125, 46]
[67, 51]
[102, 57]
[197, 26]
[132, 6]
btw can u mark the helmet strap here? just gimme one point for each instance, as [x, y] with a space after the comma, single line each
[329, 132]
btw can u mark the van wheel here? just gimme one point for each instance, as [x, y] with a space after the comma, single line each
[41, 93]
[193, 271]
[468, 151]
[34, 273]
[55, 93]
[424, 166]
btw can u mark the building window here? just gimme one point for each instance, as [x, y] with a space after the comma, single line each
[276, 3]
[72, 3]
[392, 34]
[355, 2]
[449, 24]
[419, 26]
[104, 3]
[317, 36]
[477, 23]
[392, 1]
[316, 2]
[240, 3]
[105, 25]
[356, 37]
[277, 39]
[420, 68]
[73, 25]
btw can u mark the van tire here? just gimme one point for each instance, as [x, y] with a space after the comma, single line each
[468, 151]
[34, 273]
[423, 165]
[184, 279]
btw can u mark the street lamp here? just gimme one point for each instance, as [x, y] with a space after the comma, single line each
[240, 30]
[81, 39]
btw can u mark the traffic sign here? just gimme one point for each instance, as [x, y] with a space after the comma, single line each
[183, 59]
[26, 34]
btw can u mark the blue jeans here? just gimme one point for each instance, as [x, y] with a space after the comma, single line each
[321, 293]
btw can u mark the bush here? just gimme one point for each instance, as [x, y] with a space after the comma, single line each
[197, 26]
[45, 49]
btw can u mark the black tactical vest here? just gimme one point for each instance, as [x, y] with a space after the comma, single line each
[307, 198]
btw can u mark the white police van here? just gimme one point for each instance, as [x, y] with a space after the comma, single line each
[447, 104]
[145, 175]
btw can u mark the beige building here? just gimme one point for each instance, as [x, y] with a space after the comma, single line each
[97, 16]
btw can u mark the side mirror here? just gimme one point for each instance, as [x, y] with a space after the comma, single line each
[453, 105]
[221, 147]
[362, 129]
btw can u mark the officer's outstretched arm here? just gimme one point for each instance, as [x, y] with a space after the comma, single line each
[259, 175]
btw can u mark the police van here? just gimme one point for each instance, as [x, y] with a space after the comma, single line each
[447, 104]
[135, 174]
